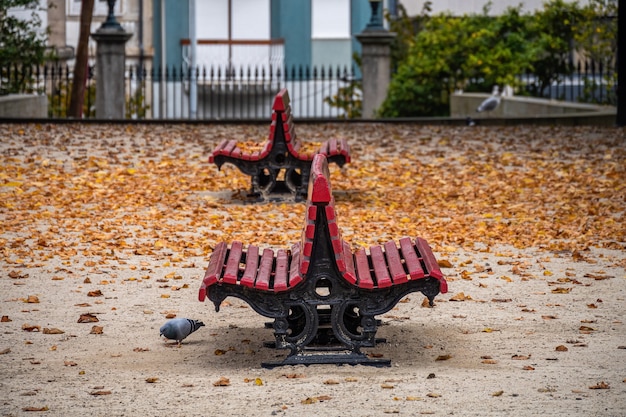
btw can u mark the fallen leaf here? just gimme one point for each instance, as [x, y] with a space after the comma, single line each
[520, 357]
[53, 330]
[586, 329]
[294, 376]
[600, 385]
[35, 408]
[31, 328]
[32, 299]
[497, 393]
[598, 277]
[222, 382]
[460, 297]
[69, 363]
[444, 263]
[138, 349]
[443, 357]
[151, 380]
[95, 293]
[97, 330]
[561, 348]
[5, 351]
[88, 318]
[100, 392]
[5, 319]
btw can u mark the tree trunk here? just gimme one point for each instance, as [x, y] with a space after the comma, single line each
[82, 61]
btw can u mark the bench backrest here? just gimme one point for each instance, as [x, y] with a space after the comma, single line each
[282, 123]
[320, 197]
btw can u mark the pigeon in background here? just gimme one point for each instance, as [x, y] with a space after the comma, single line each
[179, 329]
[491, 103]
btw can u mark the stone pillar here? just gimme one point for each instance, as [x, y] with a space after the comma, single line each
[110, 67]
[376, 67]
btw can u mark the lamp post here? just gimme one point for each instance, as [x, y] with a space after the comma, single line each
[375, 23]
[111, 22]
[110, 67]
[376, 61]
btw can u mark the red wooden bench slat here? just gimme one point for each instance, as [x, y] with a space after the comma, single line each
[411, 260]
[319, 182]
[221, 146]
[363, 270]
[230, 146]
[345, 149]
[280, 274]
[265, 270]
[266, 149]
[350, 273]
[232, 263]
[281, 101]
[252, 263]
[332, 147]
[429, 258]
[217, 150]
[324, 148]
[236, 153]
[294, 148]
[294, 271]
[380, 267]
[216, 264]
[398, 274]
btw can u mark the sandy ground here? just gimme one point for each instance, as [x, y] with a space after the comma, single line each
[526, 329]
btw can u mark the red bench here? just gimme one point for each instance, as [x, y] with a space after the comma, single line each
[280, 166]
[321, 295]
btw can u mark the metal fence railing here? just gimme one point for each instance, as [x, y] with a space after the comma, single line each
[247, 93]
[155, 93]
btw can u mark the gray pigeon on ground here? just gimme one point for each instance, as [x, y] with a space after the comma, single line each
[179, 329]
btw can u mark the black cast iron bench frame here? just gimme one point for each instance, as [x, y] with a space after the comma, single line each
[279, 167]
[323, 297]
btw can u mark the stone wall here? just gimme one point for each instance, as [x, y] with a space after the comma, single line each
[23, 106]
[465, 104]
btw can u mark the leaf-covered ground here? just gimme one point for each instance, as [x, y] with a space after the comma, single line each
[105, 232]
[139, 189]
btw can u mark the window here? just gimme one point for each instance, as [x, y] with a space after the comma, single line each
[331, 19]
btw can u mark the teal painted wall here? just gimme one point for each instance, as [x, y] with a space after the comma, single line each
[291, 20]
[176, 28]
[361, 13]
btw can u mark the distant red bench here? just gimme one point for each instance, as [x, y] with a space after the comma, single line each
[280, 166]
[321, 295]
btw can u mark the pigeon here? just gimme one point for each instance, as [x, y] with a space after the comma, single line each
[179, 329]
[491, 103]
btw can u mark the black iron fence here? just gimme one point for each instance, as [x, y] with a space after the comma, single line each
[247, 93]
[207, 93]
